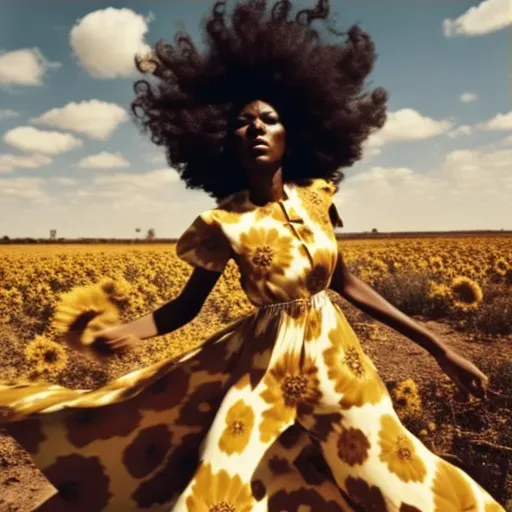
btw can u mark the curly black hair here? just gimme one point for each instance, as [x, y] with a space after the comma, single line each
[317, 89]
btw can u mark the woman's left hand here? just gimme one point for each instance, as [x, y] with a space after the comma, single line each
[464, 373]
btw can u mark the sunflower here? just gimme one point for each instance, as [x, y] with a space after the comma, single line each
[219, 492]
[81, 313]
[266, 251]
[466, 293]
[351, 370]
[117, 289]
[46, 355]
[436, 263]
[398, 452]
[407, 396]
[239, 424]
[290, 389]
[501, 266]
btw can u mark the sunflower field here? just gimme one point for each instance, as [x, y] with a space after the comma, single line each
[464, 284]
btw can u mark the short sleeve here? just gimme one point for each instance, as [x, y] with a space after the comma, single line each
[330, 188]
[203, 244]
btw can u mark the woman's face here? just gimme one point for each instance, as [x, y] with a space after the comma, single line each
[259, 121]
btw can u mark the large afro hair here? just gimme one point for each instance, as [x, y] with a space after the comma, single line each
[189, 100]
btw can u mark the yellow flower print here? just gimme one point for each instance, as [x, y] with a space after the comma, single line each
[313, 325]
[397, 451]
[266, 252]
[203, 244]
[306, 234]
[239, 424]
[317, 199]
[452, 492]
[290, 389]
[219, 492]
[317, 277]
[351, 370]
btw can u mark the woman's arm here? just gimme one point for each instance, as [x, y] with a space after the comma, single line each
[167, 318]
[368, 300]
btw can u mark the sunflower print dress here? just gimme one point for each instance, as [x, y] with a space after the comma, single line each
[280, 411]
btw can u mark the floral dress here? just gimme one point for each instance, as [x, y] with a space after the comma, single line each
[280, 411]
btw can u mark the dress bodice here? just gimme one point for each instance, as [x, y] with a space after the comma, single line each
[284, 250]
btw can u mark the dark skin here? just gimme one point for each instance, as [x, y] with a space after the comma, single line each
[263, 166]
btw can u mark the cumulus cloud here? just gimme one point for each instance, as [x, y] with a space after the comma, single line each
[104, 160]
[407, 124]
[444, 198]
[63, 180]
[95, 118]
[150, 180]
[499, 122]
[9, 162]
[25, 188]
[6, 113]
[468, 97]
[464, 129]
[488, 16]
[106, 41]
[28, 138]
[26, 66]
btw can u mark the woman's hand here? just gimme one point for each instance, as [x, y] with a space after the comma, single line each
[464, 373]
[113, 339]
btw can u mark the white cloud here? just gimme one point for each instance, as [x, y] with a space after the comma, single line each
[104, 160]
[106, 41]
[9, 162]
[469, 190]
[95, 118]
[24, 67]
[25, 188]
[28, 138]
[468, 97]
[6, 113]
[149, 180]
[464, 129]
[407, 124]
[63, 180]
[498, 122]
[488, 16]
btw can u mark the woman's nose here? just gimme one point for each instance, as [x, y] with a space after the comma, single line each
[257, 125]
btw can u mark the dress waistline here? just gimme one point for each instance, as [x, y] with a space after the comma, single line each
[315, 301]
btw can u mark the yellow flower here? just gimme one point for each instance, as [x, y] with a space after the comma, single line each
[265, 252]
[466, 293]
[47, 355]
[219, 492]
[501, 266]
[407, 396]
[436, 263]
[81, 313]
[397, 451]
[290, 390]
[452, 493]
[437, 290]
[239, 424]
[313, 327]
[351, 370]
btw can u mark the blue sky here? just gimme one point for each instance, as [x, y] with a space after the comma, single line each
[71, 159]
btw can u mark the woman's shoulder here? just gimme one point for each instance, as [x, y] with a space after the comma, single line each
[322, 185]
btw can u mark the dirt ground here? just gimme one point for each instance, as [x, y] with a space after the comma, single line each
[472, 433]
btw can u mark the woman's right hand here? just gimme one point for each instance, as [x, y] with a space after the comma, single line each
[114, 339]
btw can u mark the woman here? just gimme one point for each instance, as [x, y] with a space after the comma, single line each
[282, 409]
